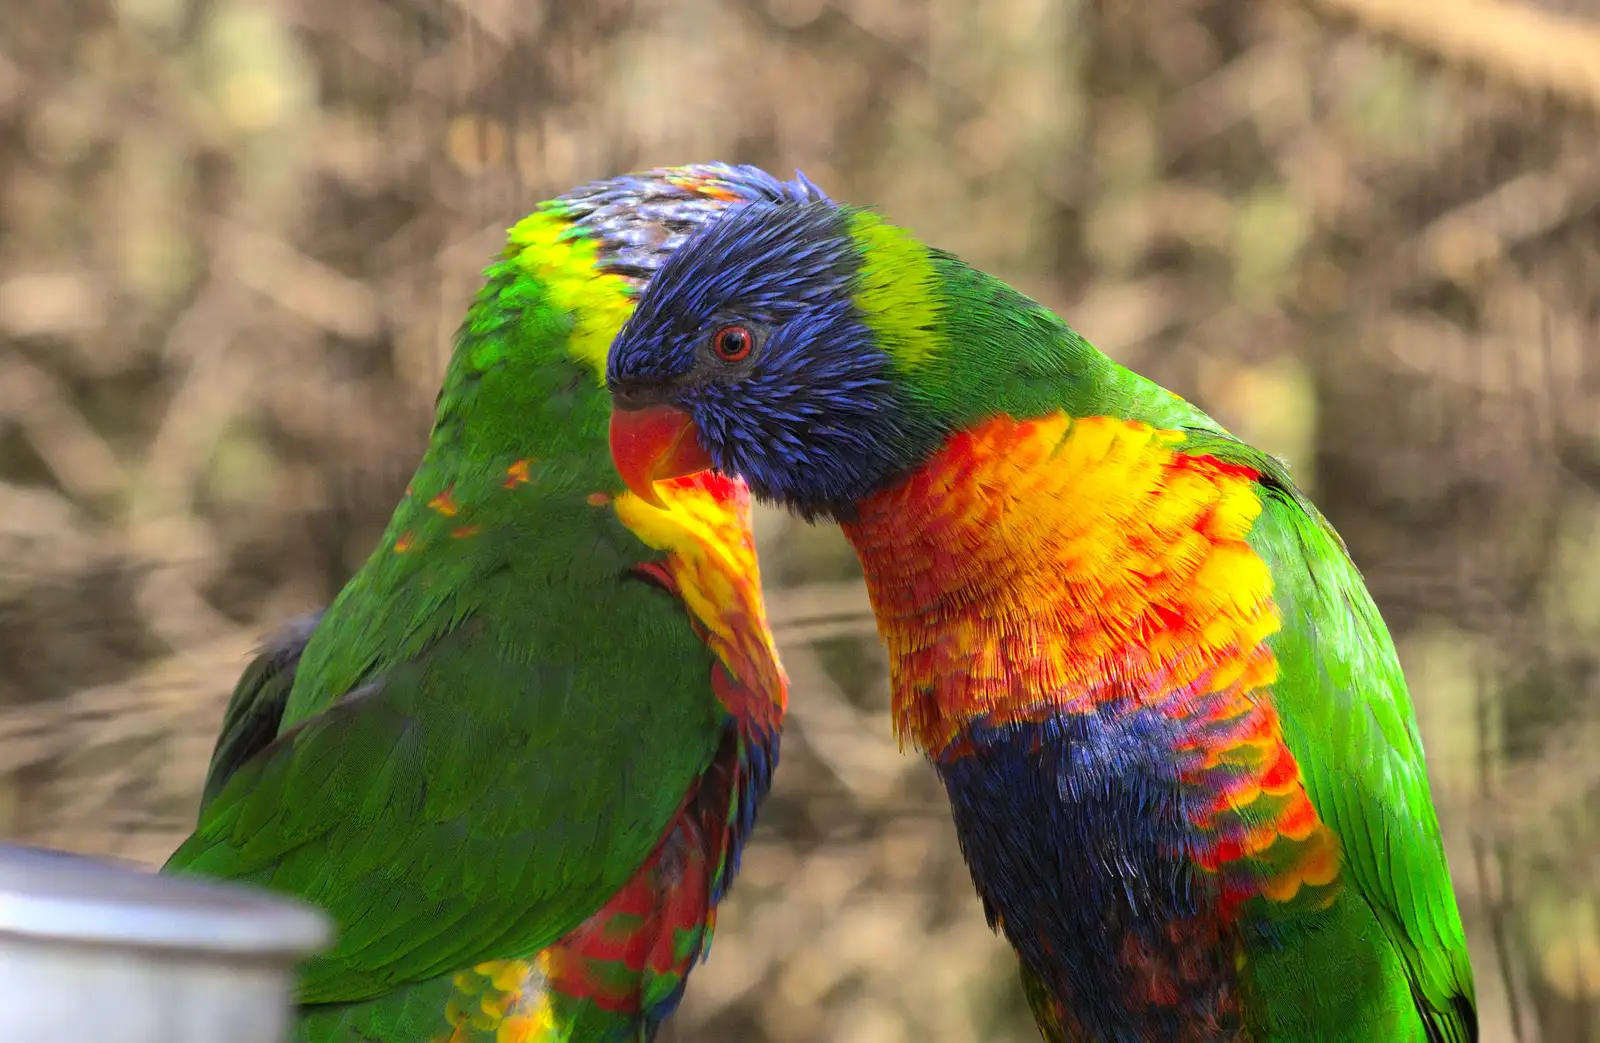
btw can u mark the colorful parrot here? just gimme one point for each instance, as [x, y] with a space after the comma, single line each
[1171, 725]
[516, 759]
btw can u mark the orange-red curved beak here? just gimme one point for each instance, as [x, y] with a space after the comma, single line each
[654, 444]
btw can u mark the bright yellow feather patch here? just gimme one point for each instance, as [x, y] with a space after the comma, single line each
[705, 529]
[546, 247]
[894, 289]
[504, 1001]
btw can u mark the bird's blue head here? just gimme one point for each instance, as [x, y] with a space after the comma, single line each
[779, 344]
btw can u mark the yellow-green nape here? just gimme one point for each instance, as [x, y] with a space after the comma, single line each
[565, 261]
[895, 289]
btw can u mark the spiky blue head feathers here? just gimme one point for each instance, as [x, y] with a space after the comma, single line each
[813, 416]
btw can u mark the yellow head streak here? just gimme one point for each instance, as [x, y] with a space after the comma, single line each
[895, 289]
[565, 261]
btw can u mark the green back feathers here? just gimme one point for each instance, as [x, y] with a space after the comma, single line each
[435, 782]
[1347, 717]
[492, 727]
[966, 346]
[521, 405]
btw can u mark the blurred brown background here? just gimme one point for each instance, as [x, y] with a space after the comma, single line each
[235, 236]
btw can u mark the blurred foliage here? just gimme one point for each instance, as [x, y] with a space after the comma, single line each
[235, 236]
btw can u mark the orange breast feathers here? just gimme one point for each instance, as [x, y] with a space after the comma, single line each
[1058, 565]
[711, 561]
[1055, 564]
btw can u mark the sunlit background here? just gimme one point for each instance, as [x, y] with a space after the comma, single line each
[235, 237]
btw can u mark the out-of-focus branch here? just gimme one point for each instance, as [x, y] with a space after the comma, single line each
[860, 752]
[77, 455]
[302, 286]
[1524, 207]
[180, 693]
[1520, 44]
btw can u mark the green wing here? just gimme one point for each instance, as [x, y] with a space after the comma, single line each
[1347, 718]
[255, 711]
[453, 810]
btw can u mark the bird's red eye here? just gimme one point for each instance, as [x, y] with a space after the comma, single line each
[732, 343]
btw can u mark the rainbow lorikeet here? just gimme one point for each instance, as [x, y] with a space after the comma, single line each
[517, 757]
[1174, 734]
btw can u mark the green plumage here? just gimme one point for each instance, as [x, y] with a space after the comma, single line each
[468, 762]
[1347, 718]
